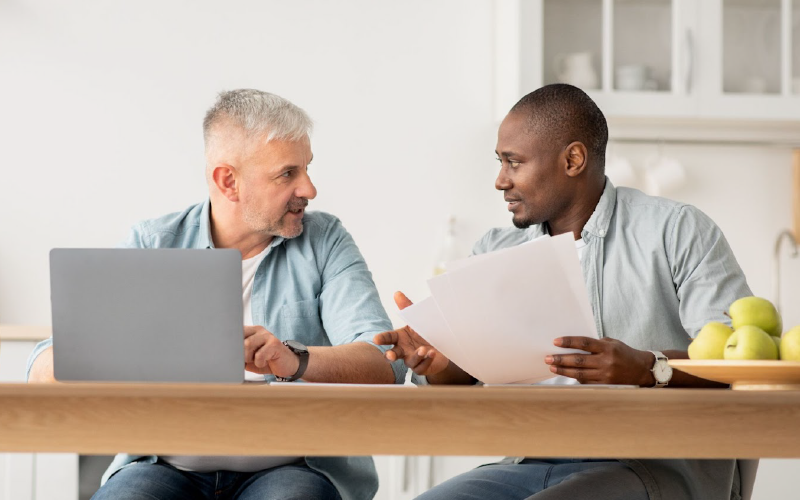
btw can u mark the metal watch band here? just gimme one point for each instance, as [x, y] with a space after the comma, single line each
[302, 355]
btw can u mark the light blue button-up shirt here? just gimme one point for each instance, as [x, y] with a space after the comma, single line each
[656, 271]
[315, 289]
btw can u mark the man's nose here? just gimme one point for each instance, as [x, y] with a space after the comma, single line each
[306, 189]
[502, 183]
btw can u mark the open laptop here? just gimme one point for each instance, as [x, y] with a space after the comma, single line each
[147, 315]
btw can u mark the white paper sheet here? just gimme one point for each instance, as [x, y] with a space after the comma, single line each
[496, 317]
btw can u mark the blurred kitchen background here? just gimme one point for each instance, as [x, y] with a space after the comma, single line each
[101, 105]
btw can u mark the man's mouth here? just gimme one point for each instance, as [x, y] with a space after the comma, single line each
[512, 204]
[297, 208]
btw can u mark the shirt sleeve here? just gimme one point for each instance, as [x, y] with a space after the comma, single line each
[705, 273]
[135, 239]
[350, 306]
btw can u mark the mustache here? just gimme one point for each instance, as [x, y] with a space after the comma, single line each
[297, 204]
[509, 198]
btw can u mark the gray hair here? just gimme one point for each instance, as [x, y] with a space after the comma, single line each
[258, 113]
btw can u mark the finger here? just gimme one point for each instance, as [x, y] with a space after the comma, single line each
[251, 367]
[423, 367]
[401, 300]
[423, 355]
[386, 338]
[266, 353]
[251, 345]
[587, 344]
[249, 331]
[573, 360]
[582, 375]
[395, 353]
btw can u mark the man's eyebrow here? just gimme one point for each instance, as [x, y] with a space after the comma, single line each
[506, 153]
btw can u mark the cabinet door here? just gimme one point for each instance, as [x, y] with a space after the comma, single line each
[635, 58]
[751, 59]
[16, 476]
[56, 476]
[397, 477]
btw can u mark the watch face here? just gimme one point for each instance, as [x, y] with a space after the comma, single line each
[296, 346]
[662, 372]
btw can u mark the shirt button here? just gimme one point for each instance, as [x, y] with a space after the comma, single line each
[601, 232]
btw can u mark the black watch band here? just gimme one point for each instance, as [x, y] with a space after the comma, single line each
[302, 354]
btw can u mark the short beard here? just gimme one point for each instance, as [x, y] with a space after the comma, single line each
[521, 223]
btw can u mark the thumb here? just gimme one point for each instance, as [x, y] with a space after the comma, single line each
[401, 300]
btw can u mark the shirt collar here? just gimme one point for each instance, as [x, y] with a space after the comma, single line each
[598, 223]
[204, 240]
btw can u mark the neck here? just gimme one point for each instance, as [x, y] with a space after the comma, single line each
[578, 213]
[228, 231]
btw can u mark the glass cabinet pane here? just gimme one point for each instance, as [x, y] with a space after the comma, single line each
[751, 46]
[573, 41]
[795, 81]
[642, 45]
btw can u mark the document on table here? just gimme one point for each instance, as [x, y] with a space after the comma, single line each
[496, 315]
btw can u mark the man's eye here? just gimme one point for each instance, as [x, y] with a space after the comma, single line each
[288, 173]
[513, 164]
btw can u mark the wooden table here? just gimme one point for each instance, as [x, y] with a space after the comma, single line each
[340, 420]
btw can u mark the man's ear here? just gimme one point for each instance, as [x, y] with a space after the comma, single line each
[577, 156]
[225, 178]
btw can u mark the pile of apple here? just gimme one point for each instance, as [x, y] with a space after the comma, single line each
[756, 334]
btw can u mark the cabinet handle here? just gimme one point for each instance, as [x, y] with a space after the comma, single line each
[406, 473]
[688, 61]
[431, 472]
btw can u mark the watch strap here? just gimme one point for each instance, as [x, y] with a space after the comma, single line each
[302, 355]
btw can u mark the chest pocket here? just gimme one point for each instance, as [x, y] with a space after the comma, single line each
[300, 321]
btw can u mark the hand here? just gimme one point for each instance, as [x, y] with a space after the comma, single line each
[609, 362]
[264, 353]
[415, 352]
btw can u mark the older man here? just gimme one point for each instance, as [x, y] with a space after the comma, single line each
[656, 271]
[304, 284]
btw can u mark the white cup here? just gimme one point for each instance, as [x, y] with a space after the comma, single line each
[632, 77]
[663, 175]
[754, 85]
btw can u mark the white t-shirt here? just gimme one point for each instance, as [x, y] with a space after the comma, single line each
[559, 379]
[236, 463]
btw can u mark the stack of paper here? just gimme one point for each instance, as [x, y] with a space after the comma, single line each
[496, 315]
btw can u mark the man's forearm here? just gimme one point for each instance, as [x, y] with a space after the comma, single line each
[356, 363]
[42, 369]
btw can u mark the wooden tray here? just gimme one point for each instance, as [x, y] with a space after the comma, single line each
[744, 375]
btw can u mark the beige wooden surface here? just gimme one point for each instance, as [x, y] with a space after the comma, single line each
[24, 332]
[314, 420]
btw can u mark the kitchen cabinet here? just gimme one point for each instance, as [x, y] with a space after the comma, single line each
[32, 476]
[675, 59]
[406, 477]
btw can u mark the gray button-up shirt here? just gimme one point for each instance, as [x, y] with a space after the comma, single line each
[657, 271]
[315, 289]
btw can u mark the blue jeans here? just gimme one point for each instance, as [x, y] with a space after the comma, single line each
[536, 479]
[161, 481]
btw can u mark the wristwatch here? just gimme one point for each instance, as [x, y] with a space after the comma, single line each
[302, 353]
[662, 372]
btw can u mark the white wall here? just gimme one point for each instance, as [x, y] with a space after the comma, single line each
[101, 108]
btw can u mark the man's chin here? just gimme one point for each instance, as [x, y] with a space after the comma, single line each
[289, 233]
[521, 223]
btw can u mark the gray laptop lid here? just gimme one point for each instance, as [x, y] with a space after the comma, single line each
[147, 315]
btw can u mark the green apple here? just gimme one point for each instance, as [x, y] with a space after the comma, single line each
[790, 345]
[755, 311]
[750, 342]
[778, 343]
[710, 342]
